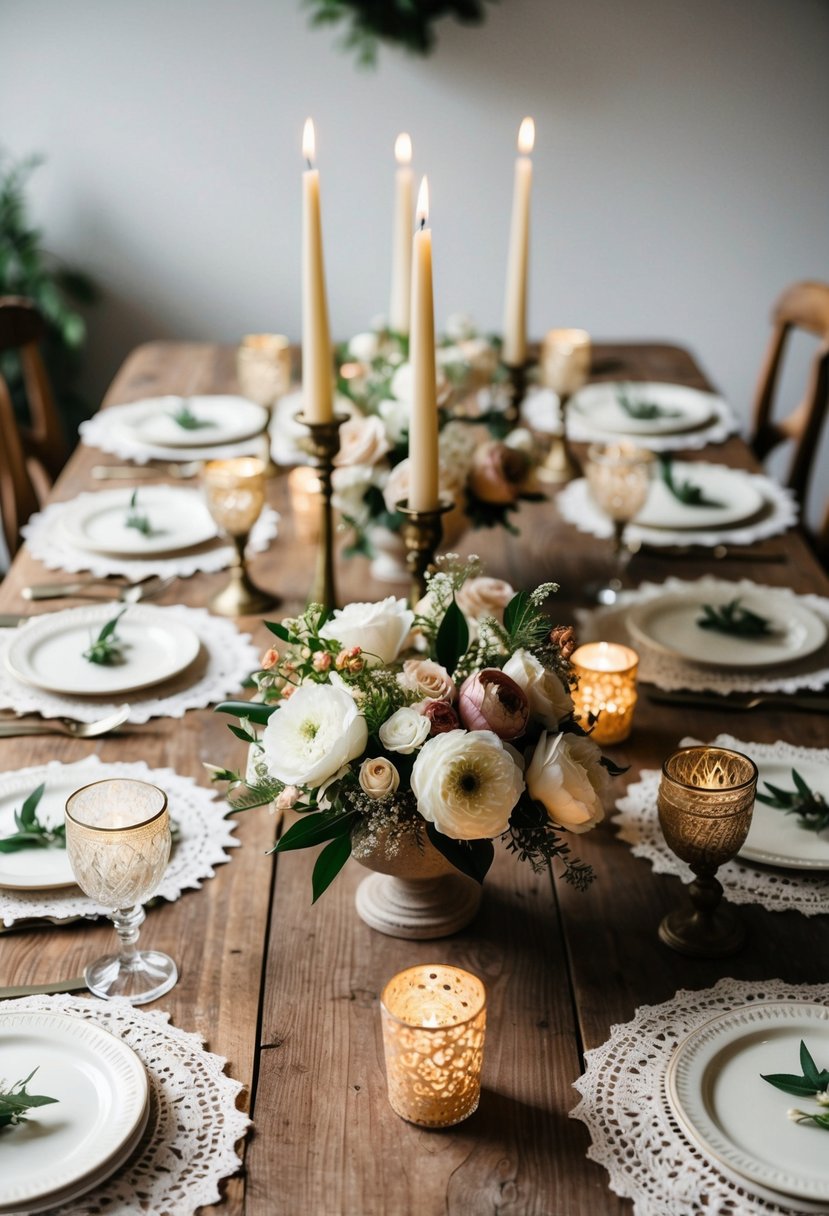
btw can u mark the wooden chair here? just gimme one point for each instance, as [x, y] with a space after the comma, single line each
[802, 306]
[21, 328]
[17, 495]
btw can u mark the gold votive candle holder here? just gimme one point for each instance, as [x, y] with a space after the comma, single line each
[606, 688]
[434, 1021]
[565, 360]
[263, 367]
[234, 490]
[304, 489]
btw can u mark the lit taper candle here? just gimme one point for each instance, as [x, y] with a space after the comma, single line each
[317, 366]
[423, 428]
[401, 265]
[514, 351]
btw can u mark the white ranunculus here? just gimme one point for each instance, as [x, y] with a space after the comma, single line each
[466, 784]
[378, 629]
[312, 735]
[566, 775]
[396, 416]
[364, 347]
[550, 701]
[404, 731]
[378, 777]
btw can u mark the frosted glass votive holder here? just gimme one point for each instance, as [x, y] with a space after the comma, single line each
[606, 688]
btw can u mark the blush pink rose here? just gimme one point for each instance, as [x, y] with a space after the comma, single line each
[498, 472]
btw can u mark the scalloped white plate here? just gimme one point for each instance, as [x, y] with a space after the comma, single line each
[178, 517]
[229, 419]
[716, 1090]
[598, 405]
[100, 1115]
[735, 491]
[775, 838]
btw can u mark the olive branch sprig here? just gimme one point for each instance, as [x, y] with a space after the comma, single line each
[31, 832]
[810, 806]
[16, 1101]
[814, 1083]
[107, 648]
[141, 523]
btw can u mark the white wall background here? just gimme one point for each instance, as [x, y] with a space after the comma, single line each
[682, 171]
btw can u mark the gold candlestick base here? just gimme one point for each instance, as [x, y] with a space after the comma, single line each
[708, 929]
[422, 532]
[560, 465]
[517, 381]
[322, 445]
[240, 596]
[271, 468]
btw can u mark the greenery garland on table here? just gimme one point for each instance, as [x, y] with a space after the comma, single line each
[405, 22]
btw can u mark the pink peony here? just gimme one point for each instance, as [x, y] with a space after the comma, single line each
[490, 700]
[498, 472]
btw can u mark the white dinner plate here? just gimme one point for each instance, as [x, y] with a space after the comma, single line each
[775, 838]
[178, 517]
[734, 490]
[598, 405]
[229, 419]
[48, 651]
[715, 1087]
[35, 869]
[669, 624]
[102, 1107]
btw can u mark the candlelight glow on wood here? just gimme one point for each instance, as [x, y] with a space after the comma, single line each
[514, 350]
[401, 273]
[304, 489]
[607, 688]
[434, 1020]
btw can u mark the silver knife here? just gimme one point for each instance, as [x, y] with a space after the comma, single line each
[77, 984]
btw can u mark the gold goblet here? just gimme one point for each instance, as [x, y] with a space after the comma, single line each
[618, 476]
[565, 368]
[263, 369]
[118, 842]
[706, 800]
[235, 494]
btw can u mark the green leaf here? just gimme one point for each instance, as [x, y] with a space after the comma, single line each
[329, 863]
[472, 857]
[110, 627]
[809, 1067]
[452, 638]
[516, 610]
[255, 711]
[279, 630]
[241, 733]
[314, 828]
[801, 785]
[28, 810]
[790, 1083]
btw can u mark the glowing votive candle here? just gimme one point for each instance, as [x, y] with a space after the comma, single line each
[434, 1019]
[607, 688]
[304, 488]
[565, 360]
[263, 367]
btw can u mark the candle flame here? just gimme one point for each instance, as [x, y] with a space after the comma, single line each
[308, 141]
[403, 149]
[422, 211]
[526, 137]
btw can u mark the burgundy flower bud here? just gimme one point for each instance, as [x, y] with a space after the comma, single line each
[491, 700]
[441, 715]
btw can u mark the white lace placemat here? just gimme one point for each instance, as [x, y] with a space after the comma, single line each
[576, 506]
[107, 430]
[190, 1142]
[744, 883]
[540, 411]
[203, 836]
[46, 542]
[665, 671]
[633, 1132]
[226, 659]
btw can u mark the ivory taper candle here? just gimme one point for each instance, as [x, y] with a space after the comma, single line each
[423, 428]
[401, 265]
[514, 351]
[317, 364]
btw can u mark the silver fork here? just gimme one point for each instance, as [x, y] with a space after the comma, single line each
[11, 728]
[132, 594]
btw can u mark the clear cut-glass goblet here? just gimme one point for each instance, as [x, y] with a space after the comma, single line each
[118, 842]
[619, 478]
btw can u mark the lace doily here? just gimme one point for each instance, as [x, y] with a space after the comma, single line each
[227, 658]
[204, 834]
[665, 671]
[634, 1134]
[776, 890]
[576, 506]
[107, 430]
[540, 411]
[190, 1142]
[46, 543]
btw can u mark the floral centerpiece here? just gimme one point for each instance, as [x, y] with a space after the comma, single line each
[485, 468]
[436, 730]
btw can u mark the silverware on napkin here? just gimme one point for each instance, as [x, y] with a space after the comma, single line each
[11, 728]
[741, 702]
[135, 472]
[76, 984]
[131, 594]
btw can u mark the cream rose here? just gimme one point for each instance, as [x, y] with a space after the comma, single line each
[565, 774]
[404, 731]
[378, 629]
[428, 678]
[550, 701]
[362, 441]
[364, 347]
[466, 784]
[396, 416]
[484, 597]
[378, 777]
[311, 736]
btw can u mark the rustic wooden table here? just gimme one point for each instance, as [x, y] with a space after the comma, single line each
[288, 992]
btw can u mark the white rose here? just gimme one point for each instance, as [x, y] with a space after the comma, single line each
[566, 775]
[364, 347]
[428, 678]
[378, 629]
[484, 597]
[402, 383]
[550, 701]
[350, 485]
[378, 777]
[362, 441]
[396, 416]
[404, 731]
[466, 784]
[312, 735]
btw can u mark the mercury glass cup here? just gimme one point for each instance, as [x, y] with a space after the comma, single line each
[118, 842]
[705, 800]
[235, 494]
[565, 368]
[619, 478]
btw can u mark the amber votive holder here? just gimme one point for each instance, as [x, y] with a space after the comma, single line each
[606, 688]
[434, 1021]
[304, 489]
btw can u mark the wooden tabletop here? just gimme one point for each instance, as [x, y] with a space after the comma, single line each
[289, 992]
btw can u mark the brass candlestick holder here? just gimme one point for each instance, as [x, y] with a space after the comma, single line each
[560, 465]
[705, 801]
[235, 493]
[422, 532]
[322, 445]
[516, 378]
